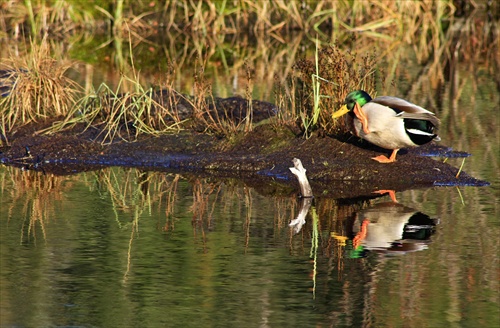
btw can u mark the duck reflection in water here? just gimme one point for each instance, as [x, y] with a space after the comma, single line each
[392, 229]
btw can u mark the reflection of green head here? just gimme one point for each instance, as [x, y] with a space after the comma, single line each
[358, 96]
[354, 253]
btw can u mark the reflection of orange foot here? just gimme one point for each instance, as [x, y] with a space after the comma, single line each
[361, 235]
[391, 193]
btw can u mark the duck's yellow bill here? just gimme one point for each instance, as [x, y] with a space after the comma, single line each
[342, 111]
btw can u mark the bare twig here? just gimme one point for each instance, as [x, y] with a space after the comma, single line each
[299, 171]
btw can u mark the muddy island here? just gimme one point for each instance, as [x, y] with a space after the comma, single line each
[336, 167]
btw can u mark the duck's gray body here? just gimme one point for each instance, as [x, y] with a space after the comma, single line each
[395, 123]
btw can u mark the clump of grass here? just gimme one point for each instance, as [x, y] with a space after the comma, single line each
[324, 84]
[209, 113]
[35, 88]
[123, 114]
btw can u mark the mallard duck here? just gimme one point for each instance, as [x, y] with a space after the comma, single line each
[389, 122]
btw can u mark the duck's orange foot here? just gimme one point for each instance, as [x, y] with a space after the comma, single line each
[384, 159]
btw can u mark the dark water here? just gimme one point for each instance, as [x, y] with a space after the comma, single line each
[123, 248]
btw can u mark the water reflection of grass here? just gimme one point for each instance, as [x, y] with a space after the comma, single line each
[34, 195]
[462, 260]
[135, 192]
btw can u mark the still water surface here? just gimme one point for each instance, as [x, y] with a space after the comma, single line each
[119, 247]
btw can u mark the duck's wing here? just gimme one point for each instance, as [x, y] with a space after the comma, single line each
[406, 109]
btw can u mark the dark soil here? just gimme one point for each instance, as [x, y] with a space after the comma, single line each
[262, 157]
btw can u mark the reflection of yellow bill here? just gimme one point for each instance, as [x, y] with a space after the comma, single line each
[341, 112]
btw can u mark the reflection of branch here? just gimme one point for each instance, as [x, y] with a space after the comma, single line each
[314, 248]
[248, 217]
[135, 228]
[301, 217]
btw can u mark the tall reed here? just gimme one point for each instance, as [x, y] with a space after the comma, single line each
[381, 19]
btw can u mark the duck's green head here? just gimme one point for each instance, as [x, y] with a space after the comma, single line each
[359, 96]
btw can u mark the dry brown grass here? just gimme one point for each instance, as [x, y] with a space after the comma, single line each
[39, 87]
[324, 84]
[125, 115]
[381, 18]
